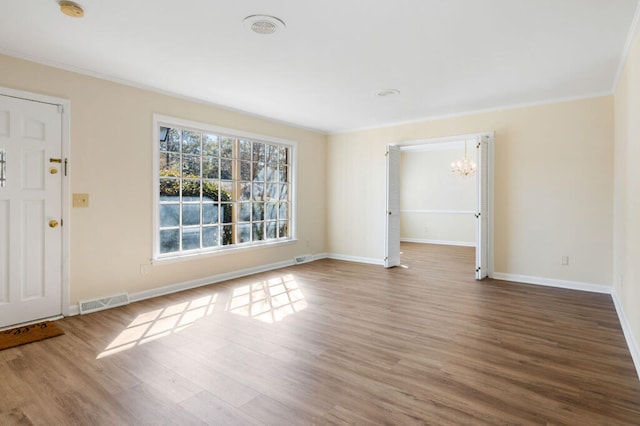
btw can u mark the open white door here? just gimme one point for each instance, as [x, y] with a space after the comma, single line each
[392, 234]
[31, 169]
[482, 215]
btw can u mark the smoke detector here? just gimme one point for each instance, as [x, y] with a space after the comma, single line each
[72, 9]
[264, 24]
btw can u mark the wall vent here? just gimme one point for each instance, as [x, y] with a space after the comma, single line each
[95, 305]
[303, 259]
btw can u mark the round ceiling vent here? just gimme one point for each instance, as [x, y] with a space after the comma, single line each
[387, 92]
[264, 24]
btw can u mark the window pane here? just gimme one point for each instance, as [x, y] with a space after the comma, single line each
[210, 236]
[190, 238]
[271, 191]
[245, 150]
[258, 191]
[284, 175]
[258, 231]
[284, 210]
[169, 189]
[210, 213]
[244, 233]
[190, 214]
[190, 190]
[226, 191]
[191, 166]
[258, 211]
[226, 169]
[210, 145]
[283, 155]
[227, 235]
[171, 141]
[258, 172]
[245, 170]
[272, 230]
[210, 168]
[284, 191]
[272, 155]
[272, 211]
[210, 191]
[169, 215]
[191, 142]
[245, 212]
[283, 229]
[226, 147]
[169, 164]
[245, 191]
[227, 213]
[271, 174]
[258, 152]
[169, 240]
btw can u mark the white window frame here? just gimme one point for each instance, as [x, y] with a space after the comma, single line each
[168, 121]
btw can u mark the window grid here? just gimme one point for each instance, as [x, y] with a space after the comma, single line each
[219, 190]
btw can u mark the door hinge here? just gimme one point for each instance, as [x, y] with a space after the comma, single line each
[386, 258]
[478, 269]
[477, 215]
[66, 166]
[60, 109]
[478, 145]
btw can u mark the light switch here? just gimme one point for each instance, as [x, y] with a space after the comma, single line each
[80, 200]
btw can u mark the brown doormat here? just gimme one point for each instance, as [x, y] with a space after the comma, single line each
[28, 333]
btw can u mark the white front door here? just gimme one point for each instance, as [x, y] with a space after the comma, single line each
[31, 170]
[392, 234]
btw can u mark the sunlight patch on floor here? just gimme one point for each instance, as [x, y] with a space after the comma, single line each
[268, 301]
[159, 323]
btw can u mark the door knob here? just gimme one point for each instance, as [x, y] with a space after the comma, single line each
[53, 223]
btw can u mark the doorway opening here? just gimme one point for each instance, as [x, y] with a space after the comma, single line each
[469, 222]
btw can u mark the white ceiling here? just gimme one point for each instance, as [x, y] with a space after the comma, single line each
[322, 72]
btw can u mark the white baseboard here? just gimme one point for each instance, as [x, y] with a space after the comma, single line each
[370, 261]
[626, 330]
[549, 282]
[440, 242]
[174, 288]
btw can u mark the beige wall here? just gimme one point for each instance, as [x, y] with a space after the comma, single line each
[553, 187]
[111, 147]
[427, 186]
[627, 193]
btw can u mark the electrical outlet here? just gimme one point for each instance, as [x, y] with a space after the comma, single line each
[144, 268]
[565, 260]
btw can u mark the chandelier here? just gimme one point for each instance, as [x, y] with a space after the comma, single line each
[464, 167]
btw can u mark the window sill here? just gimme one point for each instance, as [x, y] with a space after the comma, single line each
[220, 252]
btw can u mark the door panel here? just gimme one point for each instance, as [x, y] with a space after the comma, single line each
[392, 243]
[30, 197]
[482, 226]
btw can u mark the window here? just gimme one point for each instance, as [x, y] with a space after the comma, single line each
[218, 188]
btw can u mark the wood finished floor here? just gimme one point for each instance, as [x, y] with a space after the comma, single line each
[336, 343]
